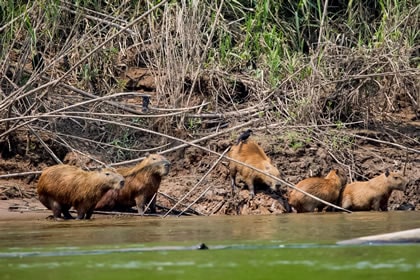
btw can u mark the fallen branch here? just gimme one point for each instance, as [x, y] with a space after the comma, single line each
[196, 185]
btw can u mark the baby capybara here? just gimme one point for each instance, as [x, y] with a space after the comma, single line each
[373, 194]
[251, 153]
[327, 189]
[141, 186]
[62, 186]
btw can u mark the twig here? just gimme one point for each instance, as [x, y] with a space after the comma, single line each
[181, 204]
[385, 142]
[217, 207]
[209, 187]
[150, 202]
[20, 174]
[196, 185]
[57, 160]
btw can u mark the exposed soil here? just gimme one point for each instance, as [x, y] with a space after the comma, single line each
[369, 158]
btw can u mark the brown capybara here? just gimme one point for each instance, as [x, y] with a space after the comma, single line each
[327, 189]
[141, 186]
[373, 194]
[62, 186]
[251, 153]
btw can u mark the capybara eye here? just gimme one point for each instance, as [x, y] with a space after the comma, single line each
[107, 173]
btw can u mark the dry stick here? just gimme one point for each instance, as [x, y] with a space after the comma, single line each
[415, 72]
[405, 164]
[189, 143]
[57, 160]
[196, 185]
[34, 118]
[109, 39]
[321, 26]
[217, 207]
[20, 174]
[150, 202]
[384, 142]
[341, 163]
[132, 33]
[206, 48]
[56, 81]
[181, 204]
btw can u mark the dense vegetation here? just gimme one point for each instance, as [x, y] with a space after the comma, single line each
[72, 72]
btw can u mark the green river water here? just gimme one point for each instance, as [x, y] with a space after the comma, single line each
[292, 246]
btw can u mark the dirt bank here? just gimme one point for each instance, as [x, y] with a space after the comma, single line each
[366, 157]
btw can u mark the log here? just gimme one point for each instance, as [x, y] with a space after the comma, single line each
[406, 236]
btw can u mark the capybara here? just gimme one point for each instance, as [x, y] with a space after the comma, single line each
[327, 189]
[252, 154]
[373, 194]
[62, 186]
[141, 186]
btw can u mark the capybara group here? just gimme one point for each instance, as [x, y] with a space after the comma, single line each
[327, 188]
[141, 186]
[62, 186]
[252, 154]
[372, 194]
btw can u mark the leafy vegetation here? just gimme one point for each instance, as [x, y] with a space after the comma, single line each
[306, 62]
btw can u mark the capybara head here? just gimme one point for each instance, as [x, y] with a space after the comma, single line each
[116, 180]
[337, 174]
[395, 180]
[157, 159]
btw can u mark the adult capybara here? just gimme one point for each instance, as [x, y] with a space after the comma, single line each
[252, 154]
[327, 189]
[62, 186]
[373, 194]
[141, 185]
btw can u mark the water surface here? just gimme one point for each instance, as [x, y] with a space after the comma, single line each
[244, 247]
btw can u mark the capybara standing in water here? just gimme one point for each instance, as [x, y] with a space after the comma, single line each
[62, 186]
[141, 186]
[327, 189]
[373, 194]
[251, 153]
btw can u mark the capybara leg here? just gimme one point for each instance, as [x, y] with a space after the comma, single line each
[66, 213]
[81, 213]
[89, 213]
[140, 204]
[376, 204]
[251, 190]
[232, 182]
[346, 203]
[45, 201]
[56, 209]
[153, 204]
[384, 204]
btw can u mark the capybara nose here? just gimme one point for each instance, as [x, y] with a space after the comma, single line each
[122, 183]
[167, 165]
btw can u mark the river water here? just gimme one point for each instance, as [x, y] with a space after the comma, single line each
[243, 247]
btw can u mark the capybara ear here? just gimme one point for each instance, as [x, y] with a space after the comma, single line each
[387, 172]
[147, 154]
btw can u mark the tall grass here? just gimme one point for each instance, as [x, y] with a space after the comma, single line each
[306, 61]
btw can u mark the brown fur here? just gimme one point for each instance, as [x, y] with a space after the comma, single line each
[141, 186]
[251, 153]
[62, 186]
[373, 194]
[327, 188]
